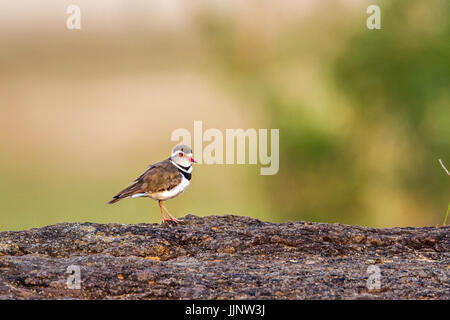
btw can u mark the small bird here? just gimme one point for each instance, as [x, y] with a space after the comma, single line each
[163, 180]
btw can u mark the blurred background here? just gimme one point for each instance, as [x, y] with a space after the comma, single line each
[364, 115]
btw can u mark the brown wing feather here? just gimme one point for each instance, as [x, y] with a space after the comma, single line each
[159, 177]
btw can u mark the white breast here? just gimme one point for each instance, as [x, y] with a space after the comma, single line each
[165, 195]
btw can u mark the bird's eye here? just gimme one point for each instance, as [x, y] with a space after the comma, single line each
[180, 154]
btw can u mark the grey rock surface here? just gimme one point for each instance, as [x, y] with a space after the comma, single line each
[225, 257]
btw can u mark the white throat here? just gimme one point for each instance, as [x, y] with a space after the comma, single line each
[180, 168]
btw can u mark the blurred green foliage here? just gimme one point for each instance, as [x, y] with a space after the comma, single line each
[380, 167]
[401, 75]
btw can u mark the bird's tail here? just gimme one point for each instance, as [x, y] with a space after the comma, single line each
[115, 199]
[125, 193]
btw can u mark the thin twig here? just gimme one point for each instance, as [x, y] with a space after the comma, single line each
[448, 210]
[446, 215]
[442, 164]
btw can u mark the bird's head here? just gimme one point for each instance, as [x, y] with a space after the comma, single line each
[182, 155]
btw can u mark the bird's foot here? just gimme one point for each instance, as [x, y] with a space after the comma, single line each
[175, 220]
[164, 219]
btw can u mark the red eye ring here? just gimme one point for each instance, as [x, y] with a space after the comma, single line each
[180, 154]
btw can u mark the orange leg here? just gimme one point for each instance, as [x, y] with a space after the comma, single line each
[172, 218]
[162, 212]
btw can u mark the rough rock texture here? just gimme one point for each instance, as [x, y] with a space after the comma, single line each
[220, 257]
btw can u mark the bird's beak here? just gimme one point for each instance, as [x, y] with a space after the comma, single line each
[192, 160]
